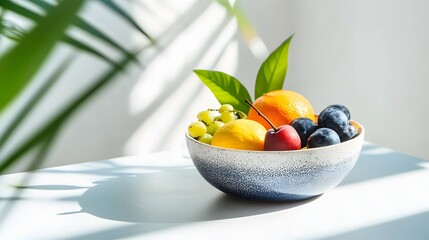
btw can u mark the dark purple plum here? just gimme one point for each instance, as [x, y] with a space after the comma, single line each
[304, 127]
[323, 137]
[334, 119]
[348, 133]
[343, 108]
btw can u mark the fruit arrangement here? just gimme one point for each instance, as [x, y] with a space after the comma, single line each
[237, 131]
[277, 119]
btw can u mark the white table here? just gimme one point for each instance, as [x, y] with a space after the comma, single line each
[162, 196]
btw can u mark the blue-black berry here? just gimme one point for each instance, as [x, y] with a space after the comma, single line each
[323, 137]
[334, 119]
[305, 127]
[343, 108]
[348, 133]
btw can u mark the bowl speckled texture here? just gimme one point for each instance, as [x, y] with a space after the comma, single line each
[276, 175]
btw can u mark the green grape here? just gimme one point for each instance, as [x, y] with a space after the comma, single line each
[214, 126]
[206, 117]
[206, 138]
[227, 116]
[240, 114]
[197, 129]
[226, 107]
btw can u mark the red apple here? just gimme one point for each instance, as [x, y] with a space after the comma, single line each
[282, 138]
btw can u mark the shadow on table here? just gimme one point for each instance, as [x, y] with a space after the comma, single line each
[412, 227]
[163, 200]
[376, 162]
[175, 196]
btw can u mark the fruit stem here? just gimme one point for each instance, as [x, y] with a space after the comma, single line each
[262, 115]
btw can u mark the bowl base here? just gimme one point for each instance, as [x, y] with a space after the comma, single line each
[271, 197]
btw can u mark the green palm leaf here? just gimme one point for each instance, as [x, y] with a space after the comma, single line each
[60, 118]
[67, 39]
[85, 26]
[17, 66]
[11, 30]
[35, 99]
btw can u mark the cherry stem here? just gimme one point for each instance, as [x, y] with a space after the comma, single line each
[262, 115]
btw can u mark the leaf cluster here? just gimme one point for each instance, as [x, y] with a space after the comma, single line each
[23, 60]
[229, 90]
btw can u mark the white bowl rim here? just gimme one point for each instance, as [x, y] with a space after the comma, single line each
[360, 134]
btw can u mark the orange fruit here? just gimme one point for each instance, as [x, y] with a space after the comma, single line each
[281, 107]
[242, 134]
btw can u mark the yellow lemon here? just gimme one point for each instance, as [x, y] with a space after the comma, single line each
[242, 134]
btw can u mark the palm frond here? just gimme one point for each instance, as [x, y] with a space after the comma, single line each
[60, 118]
[36, 17]
[11, 30]
[17, 67]
[87, 27]
[34, 100]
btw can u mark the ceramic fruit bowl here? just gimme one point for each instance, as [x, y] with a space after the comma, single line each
[276, 175]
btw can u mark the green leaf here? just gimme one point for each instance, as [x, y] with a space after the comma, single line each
[272, 73]
[66, 38]
[226, 88]
[17, 66]
[11, 30]
[34, 100]
[61, 117]
[85, 26]
[6, 4]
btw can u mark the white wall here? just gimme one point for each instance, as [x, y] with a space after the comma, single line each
[368, 55]
[372, 56]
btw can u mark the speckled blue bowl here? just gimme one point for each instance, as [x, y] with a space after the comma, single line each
[276, 175]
